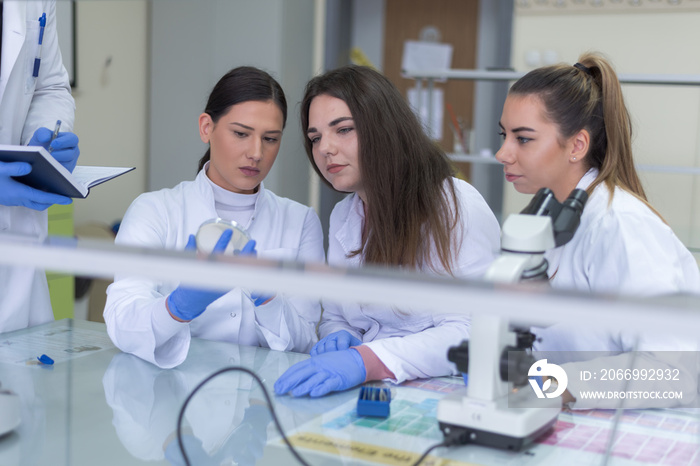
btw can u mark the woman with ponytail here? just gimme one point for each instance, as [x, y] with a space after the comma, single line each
[567, 127]
[242, 127]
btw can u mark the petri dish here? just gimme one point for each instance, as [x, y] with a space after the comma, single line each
[210, 232]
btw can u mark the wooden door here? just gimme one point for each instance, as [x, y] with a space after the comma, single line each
[457, 22]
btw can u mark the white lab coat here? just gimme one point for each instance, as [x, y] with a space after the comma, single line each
[620, 247]
[411, 345]
[135, 313]
[26, 104]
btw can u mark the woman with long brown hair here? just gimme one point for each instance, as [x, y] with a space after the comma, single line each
[405, 210]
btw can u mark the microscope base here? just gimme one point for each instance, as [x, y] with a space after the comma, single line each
[491, 439]
[494, 423]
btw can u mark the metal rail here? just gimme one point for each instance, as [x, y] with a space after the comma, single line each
[407, 291]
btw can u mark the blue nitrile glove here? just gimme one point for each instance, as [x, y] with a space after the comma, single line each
[14, 193]
[336, 341]
[257, 298]
[319, 375]
[64, 148]
[187, 303]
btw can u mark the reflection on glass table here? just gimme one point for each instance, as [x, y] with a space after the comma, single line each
[96, 405]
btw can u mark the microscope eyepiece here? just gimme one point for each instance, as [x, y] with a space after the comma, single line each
[569, 217]
[576, 200]
[566, 215]
[542, 203]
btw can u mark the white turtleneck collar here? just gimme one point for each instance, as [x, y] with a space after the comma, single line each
[233, 206]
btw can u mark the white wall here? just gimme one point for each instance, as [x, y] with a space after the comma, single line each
[164, 57]
[110, 100]
[367, 32]
[292, 172]
[192, 45]
[666, 119]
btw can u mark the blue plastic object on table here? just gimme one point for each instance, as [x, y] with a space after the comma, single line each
[374, 401]
[44, 359]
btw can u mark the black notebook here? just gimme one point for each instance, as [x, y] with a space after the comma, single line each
[49, 175]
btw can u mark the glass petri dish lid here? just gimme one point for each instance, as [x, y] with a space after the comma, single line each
[210, 232]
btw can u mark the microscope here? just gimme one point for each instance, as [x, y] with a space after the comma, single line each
[499, 407]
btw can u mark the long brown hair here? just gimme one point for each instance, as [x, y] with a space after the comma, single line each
[588, 96]
[411, 201]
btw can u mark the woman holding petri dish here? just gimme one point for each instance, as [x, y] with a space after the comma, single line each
[404, 210]
[243, 124]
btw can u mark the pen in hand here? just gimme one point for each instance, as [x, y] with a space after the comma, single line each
[55, 134]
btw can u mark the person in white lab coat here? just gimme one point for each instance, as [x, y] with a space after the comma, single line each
[33, 96]
[405, 210]
[567, 127]
[242, 123]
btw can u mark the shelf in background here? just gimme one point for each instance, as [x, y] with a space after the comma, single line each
[510, 75]
[680, 170]
[472, 158]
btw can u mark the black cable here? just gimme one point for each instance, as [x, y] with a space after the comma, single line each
[267, 398]
[456, 437]
[427, 452]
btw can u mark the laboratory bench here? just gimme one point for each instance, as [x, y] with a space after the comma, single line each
[97, 405]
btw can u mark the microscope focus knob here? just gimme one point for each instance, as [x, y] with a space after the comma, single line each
[460, 356]
[514, 365]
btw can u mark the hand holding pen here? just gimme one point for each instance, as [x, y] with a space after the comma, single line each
[62, 146]
[55, 135]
